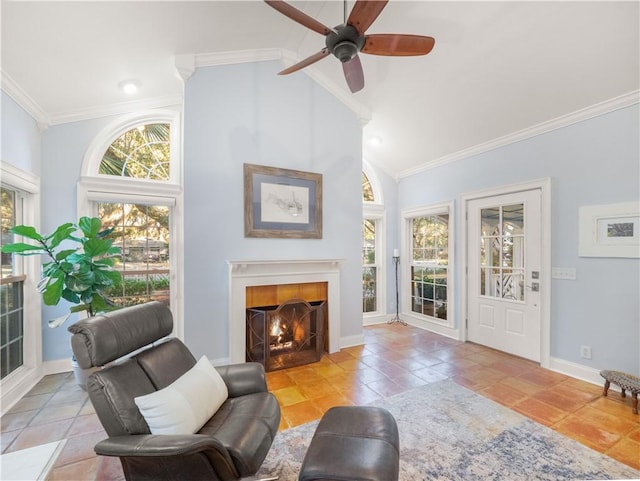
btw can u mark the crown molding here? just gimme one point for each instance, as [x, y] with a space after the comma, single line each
[114, 109]
[236, 56]
[287, 58]
[185, 66]
[45, 120]
[587, 113]
[24, 100]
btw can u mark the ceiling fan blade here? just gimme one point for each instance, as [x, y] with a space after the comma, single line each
[364, 13]
[306, 62]
[354, 74]
[298, 16]
[397, 44]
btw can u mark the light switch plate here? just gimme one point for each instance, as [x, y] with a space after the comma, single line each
[565, 273]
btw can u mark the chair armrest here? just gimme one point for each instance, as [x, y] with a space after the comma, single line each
[242, 379]
[147, 445]
[161, 456]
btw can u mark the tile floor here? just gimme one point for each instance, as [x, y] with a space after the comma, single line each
[394, 358]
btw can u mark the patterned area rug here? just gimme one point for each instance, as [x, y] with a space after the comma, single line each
[450, 433]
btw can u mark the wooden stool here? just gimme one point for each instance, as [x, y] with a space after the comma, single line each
[626, 382]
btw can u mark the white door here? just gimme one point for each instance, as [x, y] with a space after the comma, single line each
[503, 280]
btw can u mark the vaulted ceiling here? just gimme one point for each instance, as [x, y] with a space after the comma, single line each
[499, 70]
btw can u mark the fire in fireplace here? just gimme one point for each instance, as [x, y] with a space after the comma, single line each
[287, 335]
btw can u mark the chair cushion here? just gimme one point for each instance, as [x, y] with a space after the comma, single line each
[166, 362]
[187, 404]
[112, 390]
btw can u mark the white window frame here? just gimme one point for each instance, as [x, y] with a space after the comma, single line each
[376, 211]
[19, 382]
[376, 214]
[441, 326]
[94, 187]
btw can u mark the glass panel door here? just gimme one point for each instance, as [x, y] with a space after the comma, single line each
[502, 266]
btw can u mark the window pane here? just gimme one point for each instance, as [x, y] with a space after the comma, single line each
[430, 235]
[8, 221]
[143, 153]
[369, 302]
[369, 242]
[11, 300]
[513, 219]
[490, 221]
[502, 247]
[369, 269]
[367, 191]
[142, 232]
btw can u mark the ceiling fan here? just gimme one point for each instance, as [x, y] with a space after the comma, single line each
[349, 38]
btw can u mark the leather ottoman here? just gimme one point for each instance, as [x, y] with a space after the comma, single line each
[353, 443]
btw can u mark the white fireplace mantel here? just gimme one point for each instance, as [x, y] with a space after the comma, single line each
[247, 273]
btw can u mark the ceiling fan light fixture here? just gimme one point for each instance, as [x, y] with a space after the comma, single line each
[345, 41]
[345, 50]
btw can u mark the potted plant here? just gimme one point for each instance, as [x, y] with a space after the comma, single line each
[80, 267]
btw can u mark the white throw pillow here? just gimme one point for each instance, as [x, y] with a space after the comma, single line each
[187, 404]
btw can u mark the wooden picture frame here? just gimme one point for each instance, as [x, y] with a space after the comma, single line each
[282, 203]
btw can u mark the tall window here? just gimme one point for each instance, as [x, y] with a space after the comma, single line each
[11, 290]
[132, 183]
[142, 233]
[369, 268]
[372, 257]
[430, 265]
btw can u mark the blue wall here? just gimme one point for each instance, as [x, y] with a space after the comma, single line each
[19, 137]
[247, 114]
[592, 162]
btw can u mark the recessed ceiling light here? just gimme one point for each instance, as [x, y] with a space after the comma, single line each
[129, 87]
[375, 141]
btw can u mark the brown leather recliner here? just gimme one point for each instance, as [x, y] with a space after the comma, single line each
[230, 446]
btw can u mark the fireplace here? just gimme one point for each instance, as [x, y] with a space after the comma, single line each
[266, 273]
[288, 335]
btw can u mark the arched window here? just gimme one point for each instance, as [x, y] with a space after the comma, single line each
[143, 152]
[131, 183]
[367, 190]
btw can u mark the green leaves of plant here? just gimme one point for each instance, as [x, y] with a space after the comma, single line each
[26, 231]
[78, 274]
[53, 291]
[22, 249]
[96, 247]
[62, 233]
[90, 226]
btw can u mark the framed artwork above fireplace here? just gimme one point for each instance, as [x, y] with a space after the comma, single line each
[282, 203]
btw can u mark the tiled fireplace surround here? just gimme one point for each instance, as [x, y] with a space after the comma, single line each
[243, 274]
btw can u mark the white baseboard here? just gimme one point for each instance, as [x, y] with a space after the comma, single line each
[446, 331]
[373, 320]
[25, 380]
[577, 371]
[350, 341]
[57, 366]
[12, 392]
